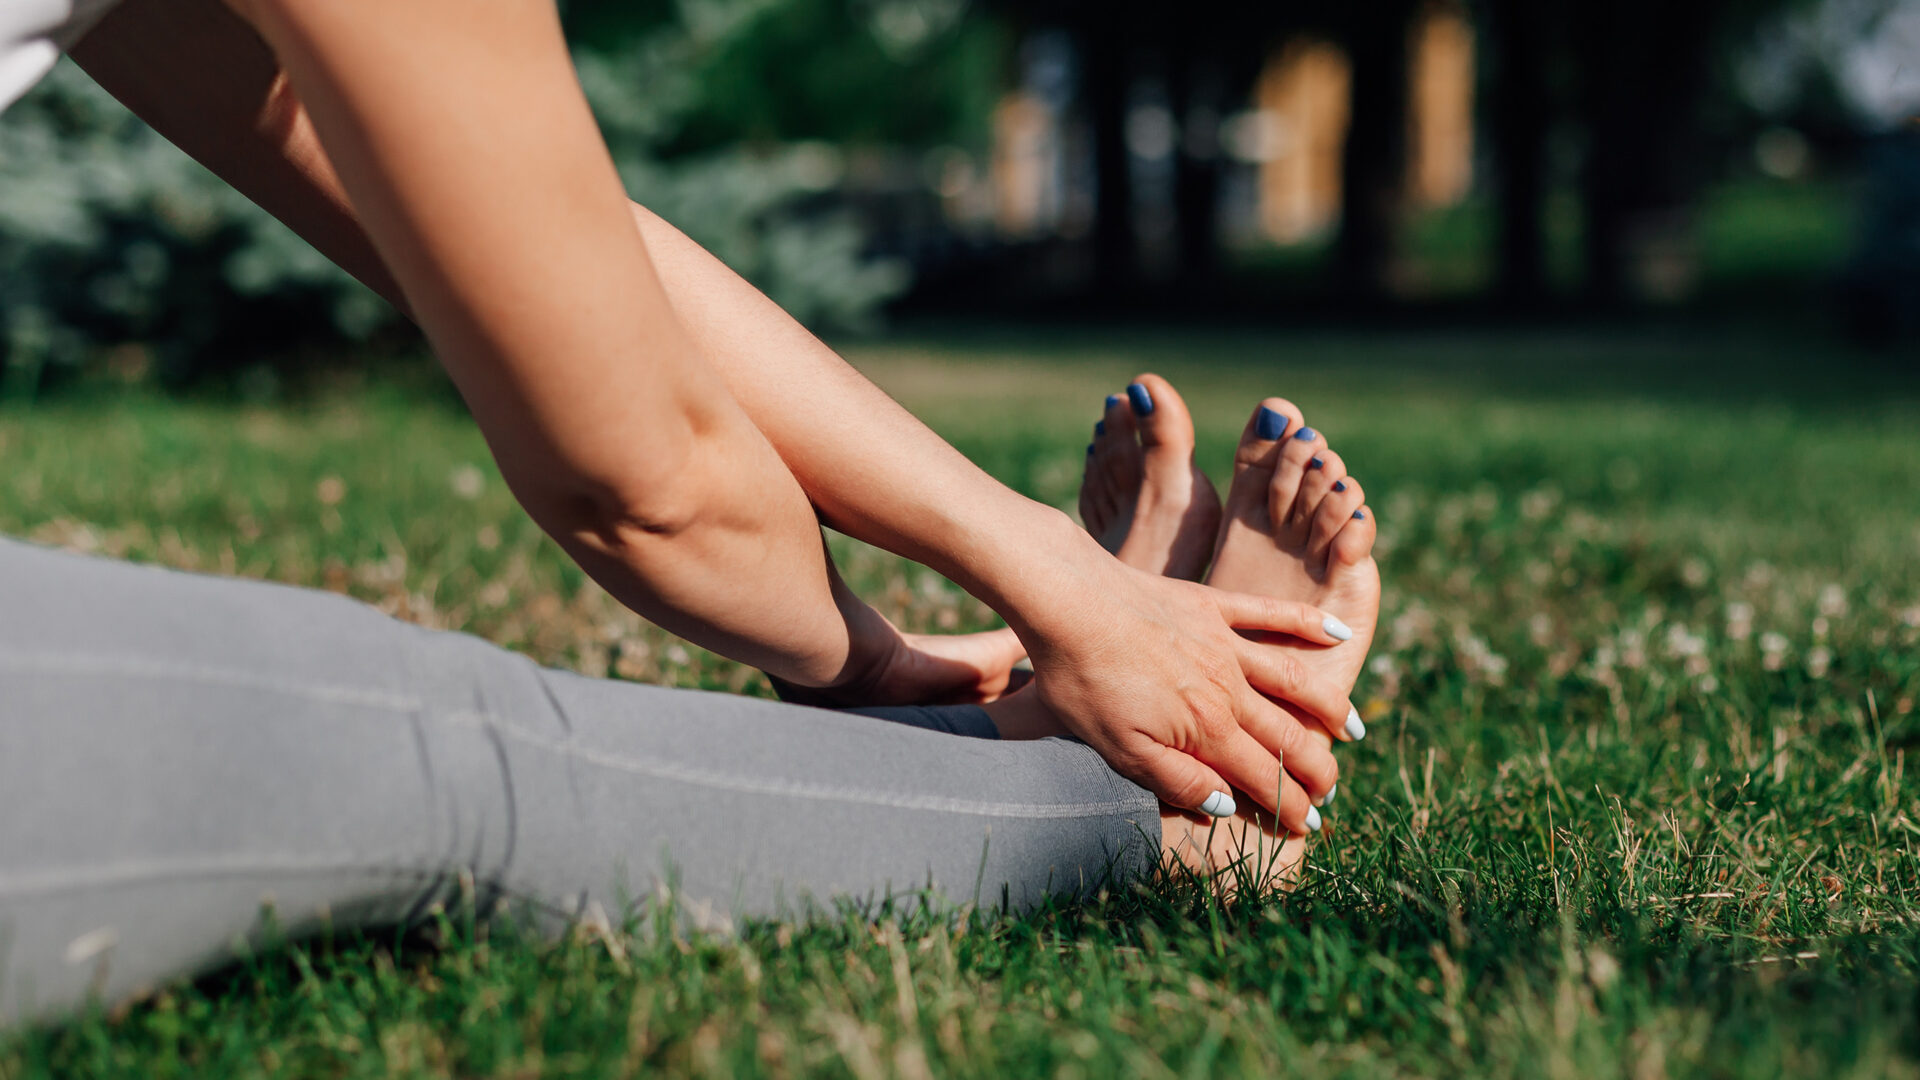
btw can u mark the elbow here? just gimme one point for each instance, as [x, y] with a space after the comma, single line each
[617, 511]
[635, 512]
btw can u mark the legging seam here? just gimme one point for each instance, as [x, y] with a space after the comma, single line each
[687, 774]
[130, 874]
[53, 883]
[78, 663]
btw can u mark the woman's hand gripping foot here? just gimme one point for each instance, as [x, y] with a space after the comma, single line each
[1148, 504]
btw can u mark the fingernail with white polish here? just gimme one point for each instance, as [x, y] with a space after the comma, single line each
[1328, 797]
[1335, 628]
[1218, 804]
[1313, 819]
[1356, 729]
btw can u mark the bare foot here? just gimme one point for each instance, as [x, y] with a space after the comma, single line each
[1297, 527]
[1142, 496]
[1247, 850]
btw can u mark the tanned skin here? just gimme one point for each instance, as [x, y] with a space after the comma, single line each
[676, 432]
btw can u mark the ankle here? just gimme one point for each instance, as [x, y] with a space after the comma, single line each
[1022, 715]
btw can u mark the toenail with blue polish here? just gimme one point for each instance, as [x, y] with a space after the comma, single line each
[1141, 401]
[1099, 427]
[1316, 463]
[1339, 485]
[1359, 515]
[1270, 424]
[1305, 434]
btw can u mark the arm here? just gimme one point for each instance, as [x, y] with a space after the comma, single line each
[612, 431]
[585, 379]
[872, 469]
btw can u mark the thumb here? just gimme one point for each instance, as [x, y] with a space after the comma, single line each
[1181, 781]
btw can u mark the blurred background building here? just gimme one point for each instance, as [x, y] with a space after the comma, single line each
[1492, 159]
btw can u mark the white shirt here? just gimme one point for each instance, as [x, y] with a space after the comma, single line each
[33, 33]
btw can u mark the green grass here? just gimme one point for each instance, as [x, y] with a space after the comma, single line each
[1637, 800]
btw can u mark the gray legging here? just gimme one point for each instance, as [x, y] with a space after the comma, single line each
[179, 752]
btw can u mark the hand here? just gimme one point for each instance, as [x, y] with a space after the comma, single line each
[1150, 672]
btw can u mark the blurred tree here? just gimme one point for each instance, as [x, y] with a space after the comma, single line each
[1632, 83]
[1373, 177]
[1644, 65]
[1520, 116]
[109, 236]
[852, 72]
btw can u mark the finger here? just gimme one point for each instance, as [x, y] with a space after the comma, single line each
[1246, 611]
[1180, 780]
[1258, 774]
[1317, 734]
[1279, 674]
[1305, 753]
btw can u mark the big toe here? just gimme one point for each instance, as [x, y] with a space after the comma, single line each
[1262, 444]
[1160, 416]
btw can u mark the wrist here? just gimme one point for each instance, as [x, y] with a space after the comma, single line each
[1027, 571]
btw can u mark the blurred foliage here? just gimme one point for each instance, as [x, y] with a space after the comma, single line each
[912, 73]
[108, 234]
[111, 237]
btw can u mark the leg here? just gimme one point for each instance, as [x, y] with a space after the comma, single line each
[177, 751]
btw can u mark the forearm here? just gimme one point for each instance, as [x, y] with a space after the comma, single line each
[871, 468]
[474, 167]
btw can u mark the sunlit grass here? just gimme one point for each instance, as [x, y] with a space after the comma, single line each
[1636, 801]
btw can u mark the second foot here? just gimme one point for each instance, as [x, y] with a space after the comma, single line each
[1242, 852]
[1142, 496]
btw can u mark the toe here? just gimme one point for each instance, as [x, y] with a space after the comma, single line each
[1323, 470]
[1334, 514]
[1271, 421]
[1096, 498]
[1116, 423]
[1111, 482]
[1116, 445]
[1253, 460]
[1164, 423]
[1301, 455]
[1354, 541]
[1089, 505]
